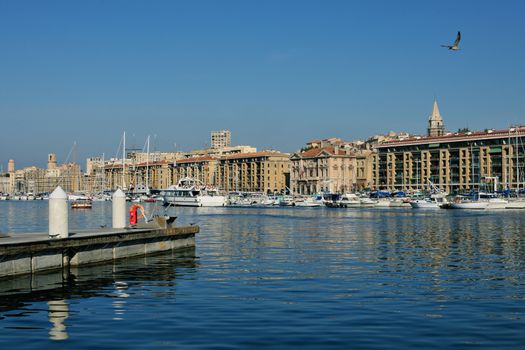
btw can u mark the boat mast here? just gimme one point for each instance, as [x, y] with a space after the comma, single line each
[123, 161]
[417, 174]
[103, 174]
[509, 167]
[77, 185]
[147, 167]
[517, 164]
[472, 167]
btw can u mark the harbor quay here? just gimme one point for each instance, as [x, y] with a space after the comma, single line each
[35, 252]
[62, 248]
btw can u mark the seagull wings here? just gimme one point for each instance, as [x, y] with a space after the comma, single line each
[458, 38]
[454, 46]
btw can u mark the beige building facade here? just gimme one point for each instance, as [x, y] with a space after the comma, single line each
[37, 180]
[220, 139]
[264, 171]
[455, 162]
[330, 170]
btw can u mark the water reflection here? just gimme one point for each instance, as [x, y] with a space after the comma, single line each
[444, 255]
[298, 277]
[119, 304]
[58, 313]
[20, 296]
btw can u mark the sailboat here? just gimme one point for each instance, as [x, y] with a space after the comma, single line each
[436, 200]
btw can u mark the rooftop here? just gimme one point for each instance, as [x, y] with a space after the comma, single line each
[316, 152]
[458, 137]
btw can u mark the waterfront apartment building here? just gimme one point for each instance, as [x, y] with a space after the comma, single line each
[330, 166]
[134, 178]
[266, 171]
[456, 162]
[203, 169]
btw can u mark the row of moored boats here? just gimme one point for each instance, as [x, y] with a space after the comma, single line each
[192, 193]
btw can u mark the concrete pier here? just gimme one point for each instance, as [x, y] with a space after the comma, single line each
[28, 253]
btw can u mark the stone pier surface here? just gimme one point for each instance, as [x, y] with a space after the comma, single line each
[32, 252]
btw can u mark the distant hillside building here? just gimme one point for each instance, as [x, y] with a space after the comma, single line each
[36, 180]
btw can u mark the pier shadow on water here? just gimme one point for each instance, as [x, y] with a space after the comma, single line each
[53, 291]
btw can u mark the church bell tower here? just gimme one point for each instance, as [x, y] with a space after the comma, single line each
[435, 122]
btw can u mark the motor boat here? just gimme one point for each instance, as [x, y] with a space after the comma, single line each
[192, 193]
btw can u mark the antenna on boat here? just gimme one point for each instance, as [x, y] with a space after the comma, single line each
[147, 168]
[123, 161]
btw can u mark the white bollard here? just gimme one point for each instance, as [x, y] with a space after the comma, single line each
[58, 223]
[119, 209]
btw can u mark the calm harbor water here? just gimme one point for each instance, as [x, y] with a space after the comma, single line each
[283, 278]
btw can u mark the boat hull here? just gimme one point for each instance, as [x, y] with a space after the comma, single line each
[350, 204]
[424, 205]
[470, 205]
[516, 204]
[497, 204]
[199, 201]
[383, 203]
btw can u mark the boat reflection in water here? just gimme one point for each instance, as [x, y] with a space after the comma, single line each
[59, 289]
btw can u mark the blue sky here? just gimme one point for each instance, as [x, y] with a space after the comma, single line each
[276, 73]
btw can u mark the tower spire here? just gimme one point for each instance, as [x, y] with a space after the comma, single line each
[435, 121]
[435, 111]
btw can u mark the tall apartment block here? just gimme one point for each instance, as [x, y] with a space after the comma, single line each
[220, 139]
[455, 162]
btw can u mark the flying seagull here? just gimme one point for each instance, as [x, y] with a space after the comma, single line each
[454, 46]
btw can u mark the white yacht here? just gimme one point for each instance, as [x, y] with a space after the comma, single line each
[270, 199]
[469, 204]
[400, 202]
[286, 201]
[307, 202]
[435, 201]
[483, 201]
[349, 200]
[367, 202]
[77, 196]
[191, 193]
